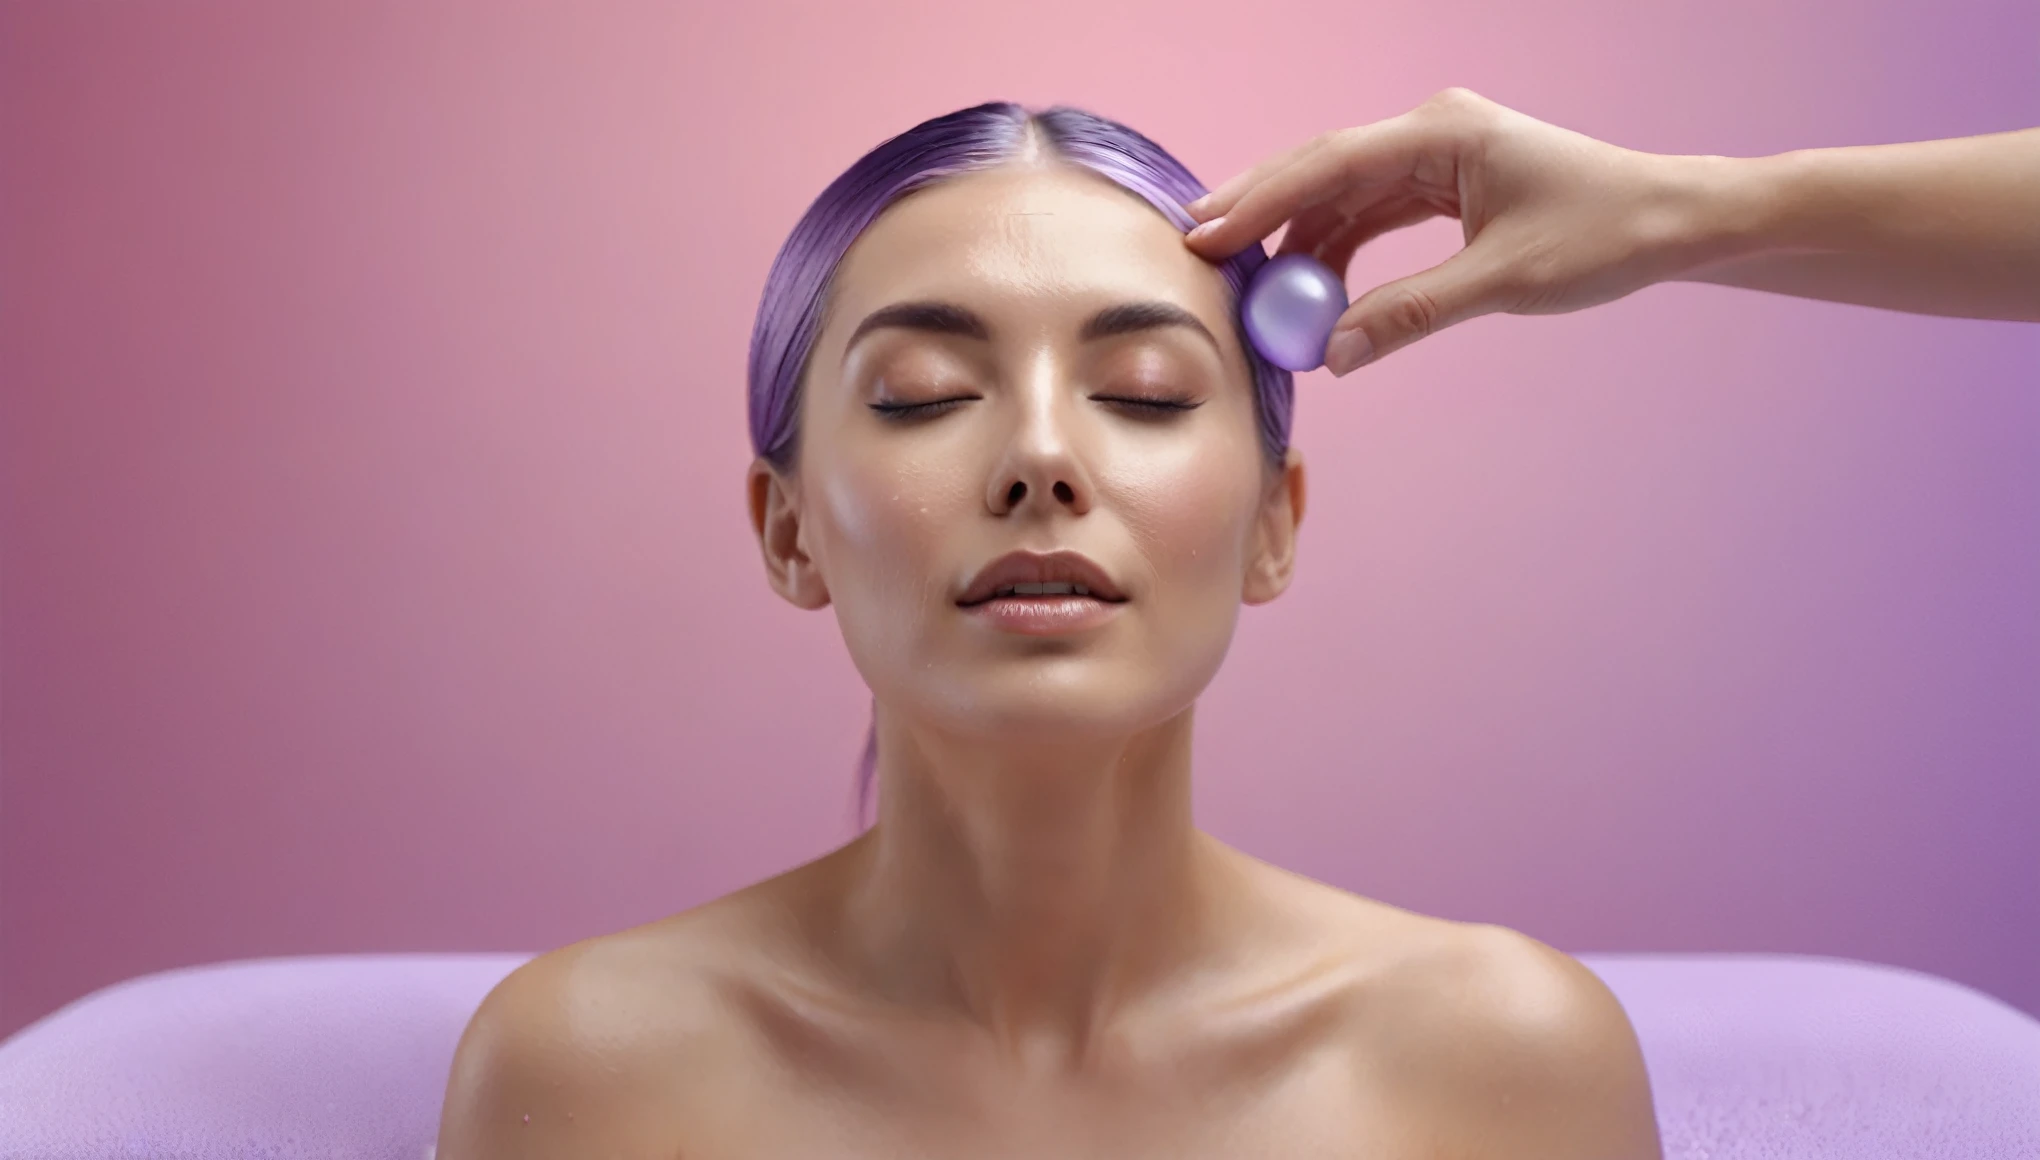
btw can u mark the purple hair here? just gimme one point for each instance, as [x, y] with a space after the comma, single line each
[980, 137]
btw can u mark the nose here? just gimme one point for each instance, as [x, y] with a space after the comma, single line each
[1039, 466]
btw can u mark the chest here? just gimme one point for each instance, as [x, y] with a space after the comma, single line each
[1298, 1097]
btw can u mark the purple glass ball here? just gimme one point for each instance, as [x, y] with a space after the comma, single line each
[1290, 308]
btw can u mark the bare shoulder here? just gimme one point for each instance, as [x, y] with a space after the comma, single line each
[580, 1051]
[1494, 1045]
[1522, 1048]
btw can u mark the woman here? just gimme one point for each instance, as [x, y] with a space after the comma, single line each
[1008, 428]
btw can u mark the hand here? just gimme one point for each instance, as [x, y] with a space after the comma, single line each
[1554, 220]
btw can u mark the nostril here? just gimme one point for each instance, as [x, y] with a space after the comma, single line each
[1063, 492]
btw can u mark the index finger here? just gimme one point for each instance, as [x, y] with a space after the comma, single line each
[1383, 152]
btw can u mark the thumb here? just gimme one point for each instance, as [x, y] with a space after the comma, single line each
[1392, 316]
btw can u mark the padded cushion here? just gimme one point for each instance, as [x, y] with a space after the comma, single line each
[327, 1057]
[1752, 1057]
[1788, 1057]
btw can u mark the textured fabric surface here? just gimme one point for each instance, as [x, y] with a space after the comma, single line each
[328, 1057]
[1776, 1057]
[1752, 1057]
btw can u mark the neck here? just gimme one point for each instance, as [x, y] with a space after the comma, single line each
[1031, 886]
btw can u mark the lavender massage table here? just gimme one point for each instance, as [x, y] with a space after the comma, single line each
[1752, 1057]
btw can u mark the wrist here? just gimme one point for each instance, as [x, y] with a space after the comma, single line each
[1734, 208]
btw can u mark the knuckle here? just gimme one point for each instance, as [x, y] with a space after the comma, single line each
[1458, 98]
[1461, 112]
[1334, 142]
[1413, 311]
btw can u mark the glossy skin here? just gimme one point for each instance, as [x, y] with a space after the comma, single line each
[1035, 952]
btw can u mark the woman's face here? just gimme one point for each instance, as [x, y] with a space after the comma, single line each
[1041, 443]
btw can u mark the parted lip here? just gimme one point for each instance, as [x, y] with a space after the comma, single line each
[1067, 566]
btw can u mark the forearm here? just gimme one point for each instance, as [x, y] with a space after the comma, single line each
[1932, 227]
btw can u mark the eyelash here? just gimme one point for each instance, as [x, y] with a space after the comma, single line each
[1154, 407]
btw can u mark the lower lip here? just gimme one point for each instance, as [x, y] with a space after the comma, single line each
[1045, 615]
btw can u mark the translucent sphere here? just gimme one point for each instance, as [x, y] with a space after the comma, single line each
[1290, 308]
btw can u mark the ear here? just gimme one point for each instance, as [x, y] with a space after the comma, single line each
[776, 518]
[1274, 555]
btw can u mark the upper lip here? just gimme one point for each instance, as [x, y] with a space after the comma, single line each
[1038, 568]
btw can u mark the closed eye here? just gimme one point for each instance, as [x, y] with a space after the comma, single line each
[900, 411]
[1150, 406]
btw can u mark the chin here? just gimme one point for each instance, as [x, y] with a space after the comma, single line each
[1087, 704]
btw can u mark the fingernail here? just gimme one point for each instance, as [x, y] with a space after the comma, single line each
[1347, 350]
[1197, 207]
[1205, 229]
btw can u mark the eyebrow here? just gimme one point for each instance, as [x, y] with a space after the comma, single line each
[949, 318]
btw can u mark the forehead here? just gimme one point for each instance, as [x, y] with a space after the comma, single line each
[1050, 240]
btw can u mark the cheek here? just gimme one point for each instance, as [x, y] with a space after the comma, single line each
[1189, 521]
[879, 544]
[864, 508]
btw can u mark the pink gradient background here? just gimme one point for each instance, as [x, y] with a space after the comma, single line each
[376, 574]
